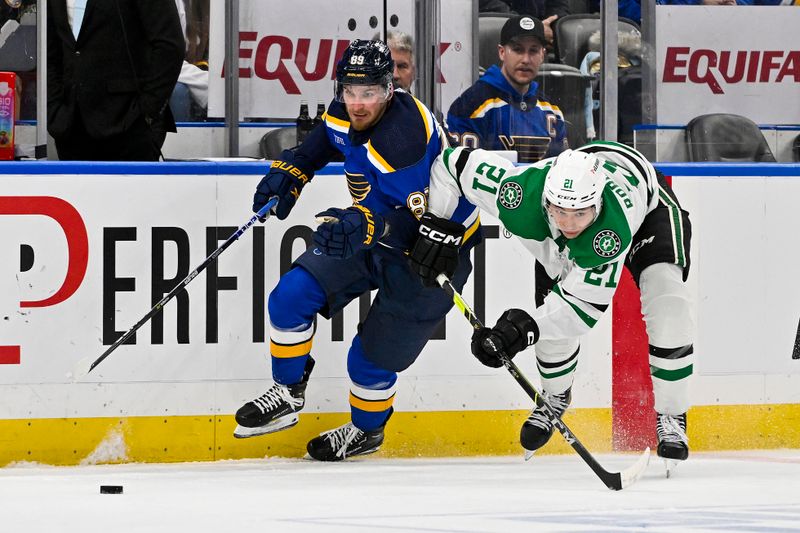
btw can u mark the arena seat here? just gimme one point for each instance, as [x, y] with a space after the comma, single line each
[489, 26]
[572, 35]
[629, 103]
[726, 137]
[276, 141]
[565, 87]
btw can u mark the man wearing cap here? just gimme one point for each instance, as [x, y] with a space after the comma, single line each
[503, 109]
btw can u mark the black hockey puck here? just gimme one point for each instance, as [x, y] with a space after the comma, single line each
[110, 489]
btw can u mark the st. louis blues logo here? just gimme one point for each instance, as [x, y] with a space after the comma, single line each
[607, 243]
[510, 195]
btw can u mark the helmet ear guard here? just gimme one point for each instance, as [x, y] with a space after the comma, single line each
[575, 181]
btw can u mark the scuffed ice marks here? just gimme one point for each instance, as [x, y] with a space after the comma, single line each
[112, 449]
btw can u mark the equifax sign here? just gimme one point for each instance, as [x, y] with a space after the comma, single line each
[715, 68]
[293, 60]
[271, 57]
[705, 67]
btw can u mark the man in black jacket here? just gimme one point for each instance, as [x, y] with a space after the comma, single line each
[108, 88]
[545, 10]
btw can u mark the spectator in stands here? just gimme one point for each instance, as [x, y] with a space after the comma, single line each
[189, 100]
[703, 2]
[629, 55]
[629, 9]
[632, 9]
[401, 46]
[111, 71]
[546, 10]
[502, 110]
[13, 10]
[14, 13]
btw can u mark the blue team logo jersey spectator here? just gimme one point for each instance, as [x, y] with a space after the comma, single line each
[492, 115]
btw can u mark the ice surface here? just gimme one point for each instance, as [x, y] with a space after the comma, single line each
[711, 492]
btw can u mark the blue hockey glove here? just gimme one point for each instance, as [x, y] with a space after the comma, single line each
[284, 180]
[514, 331]
[436, 249]
[346, 231]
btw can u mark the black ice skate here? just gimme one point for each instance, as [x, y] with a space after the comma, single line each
[274, 410]
[673, 444]
[343, 442]
[538, 428]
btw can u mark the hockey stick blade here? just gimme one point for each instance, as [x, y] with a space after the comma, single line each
[612, 480]
[81, 369]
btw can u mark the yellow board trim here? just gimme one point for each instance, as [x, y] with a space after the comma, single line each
[285, 351]
[70, 441]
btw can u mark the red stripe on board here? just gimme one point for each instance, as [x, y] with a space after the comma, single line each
[632, 413]
[9, 355]
[633, 418]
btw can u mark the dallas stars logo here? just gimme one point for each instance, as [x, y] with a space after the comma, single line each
[510, 195]
[607, 243]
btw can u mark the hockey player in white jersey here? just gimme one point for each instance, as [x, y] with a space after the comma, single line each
[583, 215]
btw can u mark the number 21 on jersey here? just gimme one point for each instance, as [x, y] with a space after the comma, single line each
[485, 176]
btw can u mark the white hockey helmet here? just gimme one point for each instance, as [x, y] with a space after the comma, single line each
[575, 181]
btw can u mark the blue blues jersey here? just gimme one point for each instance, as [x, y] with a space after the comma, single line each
[492, 115]
[388, 165]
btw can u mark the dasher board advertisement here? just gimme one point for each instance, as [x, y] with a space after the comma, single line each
[728, 59]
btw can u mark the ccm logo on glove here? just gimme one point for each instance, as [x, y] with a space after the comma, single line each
[439, 236]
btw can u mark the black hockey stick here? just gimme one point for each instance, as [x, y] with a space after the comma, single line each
[612, 480]
[83, 367]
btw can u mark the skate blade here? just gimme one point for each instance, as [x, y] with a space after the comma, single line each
[338, 458]
[528, 455]
[365, 452]
[282, 423]
[670, 465]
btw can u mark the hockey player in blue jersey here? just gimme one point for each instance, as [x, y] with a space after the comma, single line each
[502, 110]
[389, 141]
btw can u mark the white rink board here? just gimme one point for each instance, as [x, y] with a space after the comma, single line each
[200, 377]
[745, 252]
[744, 260]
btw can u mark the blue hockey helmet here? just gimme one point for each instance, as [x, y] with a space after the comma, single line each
[365, 63]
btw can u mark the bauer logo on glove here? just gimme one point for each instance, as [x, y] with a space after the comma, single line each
[291, 169]
[343, 232]
[284, 180]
